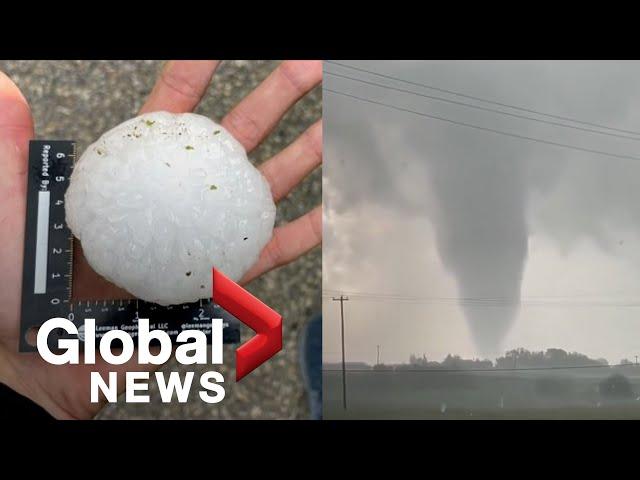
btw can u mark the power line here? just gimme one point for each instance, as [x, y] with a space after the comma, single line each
[393, 296]
[486, 129]
[484, 370]
[485, 109]
[502, 305]
[480, 99]
[328, 291]
[490, 302]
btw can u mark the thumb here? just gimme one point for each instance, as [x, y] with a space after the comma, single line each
[16, 129]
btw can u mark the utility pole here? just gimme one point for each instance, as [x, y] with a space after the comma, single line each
[378, 362]
[342, 299]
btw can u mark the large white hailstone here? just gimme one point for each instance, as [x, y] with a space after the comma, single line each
[161, 199]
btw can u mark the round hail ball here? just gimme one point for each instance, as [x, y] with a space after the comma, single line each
[162, 198]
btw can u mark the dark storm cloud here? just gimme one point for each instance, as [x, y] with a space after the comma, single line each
[485, 193]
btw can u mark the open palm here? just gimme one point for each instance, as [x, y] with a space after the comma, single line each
[64, 390]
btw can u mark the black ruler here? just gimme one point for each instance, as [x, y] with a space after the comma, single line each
[47, 279]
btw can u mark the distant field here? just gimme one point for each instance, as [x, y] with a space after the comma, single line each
[478, 395]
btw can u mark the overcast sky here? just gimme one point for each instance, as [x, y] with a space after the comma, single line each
[422, 208]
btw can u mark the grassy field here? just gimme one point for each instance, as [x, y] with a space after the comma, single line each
[558, 394]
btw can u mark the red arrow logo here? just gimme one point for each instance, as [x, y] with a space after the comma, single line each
[266, 322]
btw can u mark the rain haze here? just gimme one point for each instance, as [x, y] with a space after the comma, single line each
[450, 239]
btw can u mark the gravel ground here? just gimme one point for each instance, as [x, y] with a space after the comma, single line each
[82, 99]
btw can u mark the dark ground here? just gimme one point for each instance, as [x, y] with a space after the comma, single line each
[561, 394]
[82, 99]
